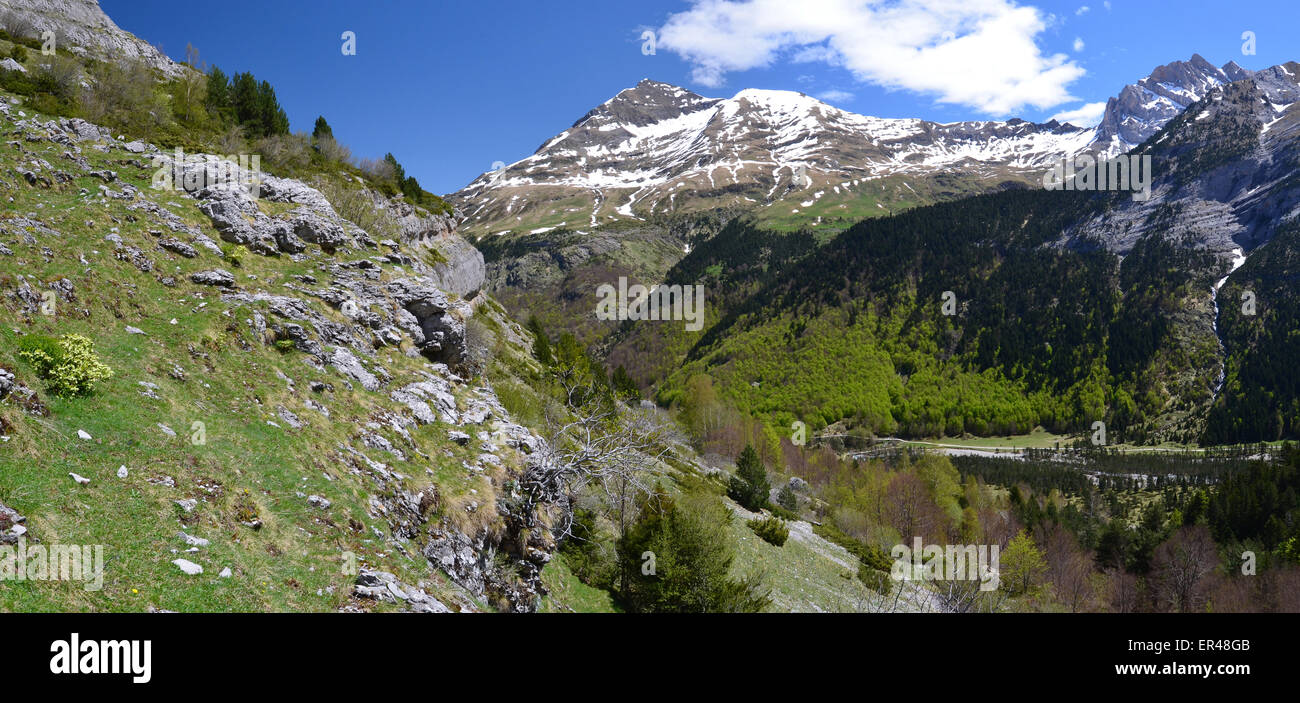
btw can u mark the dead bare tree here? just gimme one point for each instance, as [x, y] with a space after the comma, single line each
[593, 441]
[1181, 567]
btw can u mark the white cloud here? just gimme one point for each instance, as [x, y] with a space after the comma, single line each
[835, 96]
[1078, 44]
[1088, 115]
[979, 53]
[1106, 5]
[1082, 10]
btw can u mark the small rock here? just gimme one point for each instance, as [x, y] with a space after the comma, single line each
[318, 502]
[188, 504]
[192, 540]
[122, 472]
[189, 567]
[225, 573]
[79, 479]
[133, 330]
[288, 417]
[84, 435]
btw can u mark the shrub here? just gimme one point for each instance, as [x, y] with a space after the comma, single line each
[873, 564]
[16, 26]
[18, 53]
[781, 512]
[67, 365]
[16, 82]
[284, 346]
[354, 204]
[588, 551]
[787, 499]
[231, 141]
[332, 151]
[772, 530]
[234, 254]
[286, 153]
[479, 344]
[41, 352]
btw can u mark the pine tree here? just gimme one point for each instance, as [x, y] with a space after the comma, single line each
[322, 130]
[271, 116]
[399, 173]
[245, 102]
[218, 97]
[749, 486]
[677, 556]
[541, 343]
[624, 386]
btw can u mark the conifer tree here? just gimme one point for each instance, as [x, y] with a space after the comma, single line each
[541, 343]
[322, 130]
[749, 486]
[218, 97]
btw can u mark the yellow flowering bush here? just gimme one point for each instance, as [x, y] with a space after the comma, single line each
[68, 365]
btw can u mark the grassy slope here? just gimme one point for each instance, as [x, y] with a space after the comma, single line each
[246, 465]
[807, 574]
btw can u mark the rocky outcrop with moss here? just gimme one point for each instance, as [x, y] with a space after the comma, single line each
[372, 388]
[82, 27]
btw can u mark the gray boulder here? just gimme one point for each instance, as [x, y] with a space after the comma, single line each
[215, 277]
[177, 246]
[463, 270]
[6, 383]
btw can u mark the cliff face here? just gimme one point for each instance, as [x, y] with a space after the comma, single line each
[82, 27]
[456, 266]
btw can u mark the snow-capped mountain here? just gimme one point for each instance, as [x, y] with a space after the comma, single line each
[658, 148]
[1225, 170]
[1142, 108]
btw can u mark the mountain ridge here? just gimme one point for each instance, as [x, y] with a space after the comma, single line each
[635, 154]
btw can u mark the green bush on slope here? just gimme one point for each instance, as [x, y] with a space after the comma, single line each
[68, 365]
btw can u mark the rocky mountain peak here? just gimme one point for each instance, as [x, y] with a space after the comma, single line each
[1142, 108]
[645, 103]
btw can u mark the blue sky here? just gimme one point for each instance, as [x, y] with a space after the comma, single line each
[451, 87]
